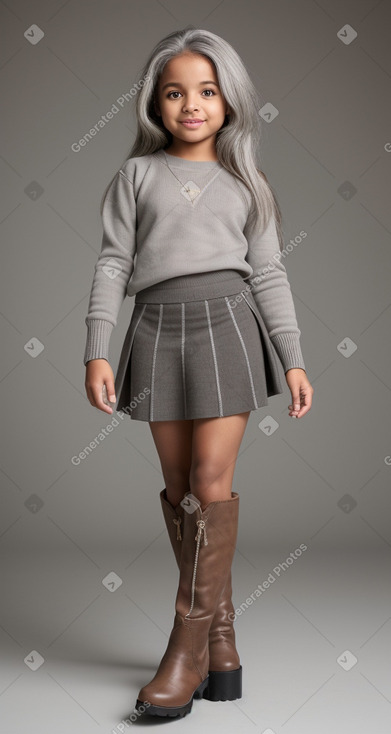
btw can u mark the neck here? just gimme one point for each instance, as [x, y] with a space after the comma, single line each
[191, 154]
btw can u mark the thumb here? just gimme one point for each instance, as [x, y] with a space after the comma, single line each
[296, 403]
[110, 390]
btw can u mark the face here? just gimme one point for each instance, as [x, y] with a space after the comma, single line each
[188, 89]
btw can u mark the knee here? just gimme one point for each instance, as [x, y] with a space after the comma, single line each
[204, 474]
[177, 477]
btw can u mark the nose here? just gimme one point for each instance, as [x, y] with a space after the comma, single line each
[190, 105]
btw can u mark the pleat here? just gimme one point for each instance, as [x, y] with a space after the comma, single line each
[196, 359]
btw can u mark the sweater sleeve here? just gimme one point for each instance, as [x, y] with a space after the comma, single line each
[272, 294]
[113, 268]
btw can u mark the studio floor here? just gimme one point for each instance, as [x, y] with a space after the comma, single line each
[79, 644]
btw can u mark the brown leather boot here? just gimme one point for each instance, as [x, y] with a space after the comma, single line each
[225, 670]
[208, 546]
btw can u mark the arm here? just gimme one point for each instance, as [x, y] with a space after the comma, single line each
[272, 293]
[110, 281]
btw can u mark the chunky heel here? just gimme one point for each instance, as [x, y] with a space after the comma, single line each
[199, 693]
[224, 685]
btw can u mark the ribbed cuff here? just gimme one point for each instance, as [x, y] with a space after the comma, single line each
[288, 348]
[98, 338]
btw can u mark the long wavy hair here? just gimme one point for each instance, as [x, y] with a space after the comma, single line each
[238, 140]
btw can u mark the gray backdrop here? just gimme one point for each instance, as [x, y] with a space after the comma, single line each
[88, 576]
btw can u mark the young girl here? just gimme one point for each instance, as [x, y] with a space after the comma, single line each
[203, 346]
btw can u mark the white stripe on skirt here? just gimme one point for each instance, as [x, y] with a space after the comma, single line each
[244, 349]
[154, 358]
[214, 359]
[183, 356]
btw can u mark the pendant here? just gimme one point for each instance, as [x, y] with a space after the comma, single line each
[190, 190]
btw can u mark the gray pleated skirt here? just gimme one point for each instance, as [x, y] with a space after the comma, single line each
[196, 347]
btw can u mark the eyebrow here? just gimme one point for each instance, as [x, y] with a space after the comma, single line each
[176, 84]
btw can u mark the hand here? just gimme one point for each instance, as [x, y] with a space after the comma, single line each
[98, 374]
[301, 391]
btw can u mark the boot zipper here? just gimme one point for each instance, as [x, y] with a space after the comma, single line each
[177, 522]
[201, 528]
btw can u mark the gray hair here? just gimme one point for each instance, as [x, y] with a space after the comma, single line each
[238, 140]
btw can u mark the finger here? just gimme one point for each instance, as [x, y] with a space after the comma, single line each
[296, 403]
[111, 390]
[98, 399]
[306, 404]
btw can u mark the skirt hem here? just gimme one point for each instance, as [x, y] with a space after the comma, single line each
[197, 417]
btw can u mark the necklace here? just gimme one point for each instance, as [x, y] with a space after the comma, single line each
[189, 190]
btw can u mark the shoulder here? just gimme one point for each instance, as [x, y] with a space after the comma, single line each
[136, 167]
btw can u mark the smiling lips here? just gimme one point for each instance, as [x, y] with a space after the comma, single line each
[191, 124]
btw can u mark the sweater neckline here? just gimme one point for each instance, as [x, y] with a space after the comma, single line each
[184, 163]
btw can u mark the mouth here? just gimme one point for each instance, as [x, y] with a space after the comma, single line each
[192, 124]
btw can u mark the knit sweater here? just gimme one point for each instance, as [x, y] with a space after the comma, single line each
[154, 229]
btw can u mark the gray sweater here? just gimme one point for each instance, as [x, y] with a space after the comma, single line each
[153, 229]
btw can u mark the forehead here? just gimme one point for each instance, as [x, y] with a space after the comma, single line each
[188, 66]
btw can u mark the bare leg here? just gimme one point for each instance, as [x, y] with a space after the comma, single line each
[173, 441]
[199, 455]
[215, 447]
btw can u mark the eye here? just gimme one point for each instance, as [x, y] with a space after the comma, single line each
[213, 93]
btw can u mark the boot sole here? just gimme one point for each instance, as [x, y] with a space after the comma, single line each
[154, 710]
[224, 685]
